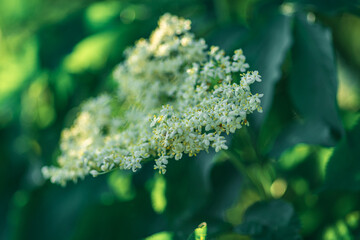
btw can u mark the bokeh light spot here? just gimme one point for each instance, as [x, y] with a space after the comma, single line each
[128, 15]
[101, 13]
[300, 186]
[158, 198]
[92, 53]
[293, 156]
[160, 236]
[120, 183]
[278, 188]
[352, 219]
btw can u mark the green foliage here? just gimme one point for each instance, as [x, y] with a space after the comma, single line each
[342, 171]
[274, 219]
[304, 148]
[266, 51]
[199, 233]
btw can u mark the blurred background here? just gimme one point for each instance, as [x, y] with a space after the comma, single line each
[304, 149]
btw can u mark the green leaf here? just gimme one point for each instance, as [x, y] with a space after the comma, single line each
[309, 132]
[132, 219]
[312, 87]
[188, 185]
[226, 183]
[87, 210]
[275, 220]
[200, 190]
[343, 169]
[313, 81]
[265, 52]
[51, 208]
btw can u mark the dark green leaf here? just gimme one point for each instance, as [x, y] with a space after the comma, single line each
[273, 219]
[53, 209]
[226, 186]
[343, 169]
[312, 88]
[204, 193]
[134, 219]
[302, 132]
[266, 52]
[313, 81]
[187, 186]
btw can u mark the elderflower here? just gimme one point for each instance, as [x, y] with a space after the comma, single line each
[174, 99]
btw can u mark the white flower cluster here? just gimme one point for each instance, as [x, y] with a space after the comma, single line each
[154, 68]
[174, 98]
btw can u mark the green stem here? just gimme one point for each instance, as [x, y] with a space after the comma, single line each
[245, 170]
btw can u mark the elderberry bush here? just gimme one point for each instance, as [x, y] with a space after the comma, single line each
[174, 97]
